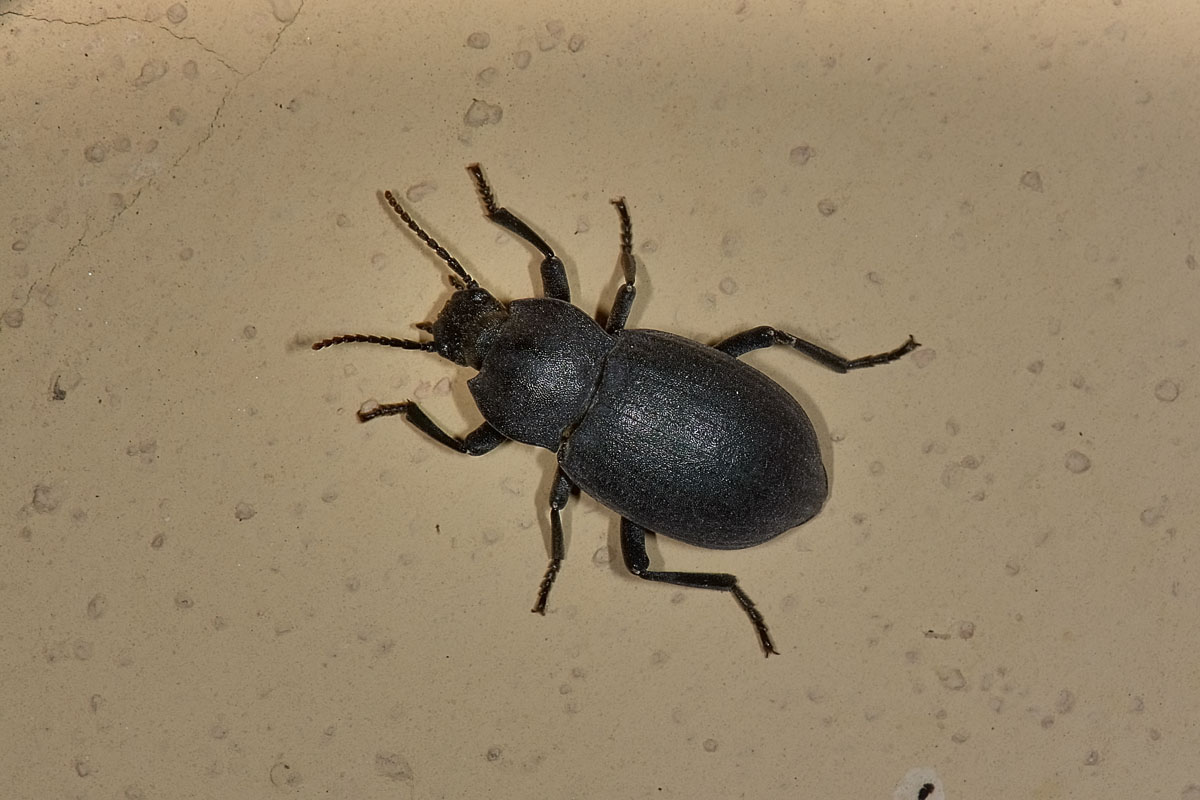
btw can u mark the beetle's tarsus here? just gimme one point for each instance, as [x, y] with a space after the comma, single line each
[485, 191]
[760, 625]
[544, 589]
[626, 226]
[884, 358]
[382, 410]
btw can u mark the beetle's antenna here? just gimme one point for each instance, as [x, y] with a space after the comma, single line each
[428, 240]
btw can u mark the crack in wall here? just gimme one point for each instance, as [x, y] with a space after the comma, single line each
[124, 18]
[83, 241]
[221, 105]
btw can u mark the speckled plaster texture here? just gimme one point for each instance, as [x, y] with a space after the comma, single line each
[215, 582]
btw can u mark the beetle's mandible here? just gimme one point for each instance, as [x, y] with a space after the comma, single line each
[679, 438]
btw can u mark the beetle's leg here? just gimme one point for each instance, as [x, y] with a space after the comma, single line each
[560, 493]
[624, 299]
[554, 274]
[483, 439]
[633, 548]
[764, 336]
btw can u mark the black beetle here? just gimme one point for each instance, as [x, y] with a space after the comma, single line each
[677, 437]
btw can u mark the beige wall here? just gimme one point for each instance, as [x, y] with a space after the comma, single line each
[215, 583]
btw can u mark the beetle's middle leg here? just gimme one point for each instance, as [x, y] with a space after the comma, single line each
[764, 336]
[554, 274]
[560, 493]
[633, 548]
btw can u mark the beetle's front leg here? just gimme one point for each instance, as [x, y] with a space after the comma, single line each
[554, 274]
[764, 336]
[633, 548]
[560, 493]
[483, 439]
[624, 299]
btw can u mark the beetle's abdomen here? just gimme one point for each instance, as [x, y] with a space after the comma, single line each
[691, 443]
[540, 371]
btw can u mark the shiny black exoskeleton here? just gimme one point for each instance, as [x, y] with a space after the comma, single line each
[677, 437]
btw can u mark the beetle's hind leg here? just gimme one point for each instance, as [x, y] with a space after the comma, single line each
[554, 274]
[633, 548]
[560, 493]
[764, 336]
[623, 302]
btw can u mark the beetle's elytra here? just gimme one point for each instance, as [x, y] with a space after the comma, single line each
[677, 437]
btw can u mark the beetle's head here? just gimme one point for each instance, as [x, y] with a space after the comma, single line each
[467, 325]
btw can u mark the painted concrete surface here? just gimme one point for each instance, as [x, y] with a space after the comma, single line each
[215, 582]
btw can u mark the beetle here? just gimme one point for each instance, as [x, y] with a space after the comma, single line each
[677, 437]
